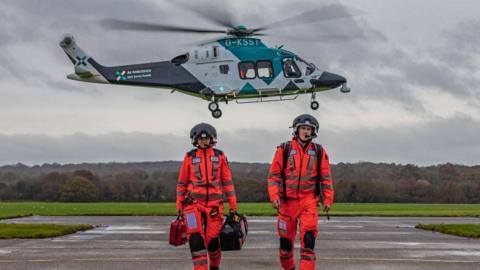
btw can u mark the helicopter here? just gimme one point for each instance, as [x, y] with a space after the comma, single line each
[237, 66]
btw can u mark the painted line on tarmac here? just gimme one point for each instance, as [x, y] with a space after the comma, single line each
[263, 232]
[97, 259]
[105, 232]
[30, 260]
[393, 260]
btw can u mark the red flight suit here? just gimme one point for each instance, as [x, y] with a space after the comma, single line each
[301, 204]
[204, 177]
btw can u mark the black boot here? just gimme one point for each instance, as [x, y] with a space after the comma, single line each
[214, 268]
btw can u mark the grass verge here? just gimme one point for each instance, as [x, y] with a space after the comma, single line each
[17, 209]
[35, 231]
[465, 230]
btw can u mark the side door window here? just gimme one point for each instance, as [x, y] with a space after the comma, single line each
[264, 69]
[246, 70]
[290, 69]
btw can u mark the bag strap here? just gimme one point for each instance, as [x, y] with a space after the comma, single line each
[286, 146]
[319, 152]
[217, 152]
[193, 153]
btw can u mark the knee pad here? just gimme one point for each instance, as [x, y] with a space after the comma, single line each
[196, 242]
[285, 244]
[309, 240]
[214, 244]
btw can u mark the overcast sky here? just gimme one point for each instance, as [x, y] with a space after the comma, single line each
[413, 67]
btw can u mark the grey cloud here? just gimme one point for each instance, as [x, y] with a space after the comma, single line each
[109, 47]
[443, 71]
[453, 139]
[462, 42]
[361, 59]
[439, 141]
[460, 52]
[63, 85]
[440, 76]
[34, 149]
[250, 145]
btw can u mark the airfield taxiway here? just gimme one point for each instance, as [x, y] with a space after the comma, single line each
[343, 243]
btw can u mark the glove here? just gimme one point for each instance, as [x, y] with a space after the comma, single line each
[276, 204]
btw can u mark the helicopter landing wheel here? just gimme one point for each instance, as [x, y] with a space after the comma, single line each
[217, 114]
[314, 105]
[213, 106]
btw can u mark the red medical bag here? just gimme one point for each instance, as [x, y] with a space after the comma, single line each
[178, 232]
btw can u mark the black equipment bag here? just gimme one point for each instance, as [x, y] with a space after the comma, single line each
[234, 232]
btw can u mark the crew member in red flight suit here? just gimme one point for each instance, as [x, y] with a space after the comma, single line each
[299, 180]
[204, 177]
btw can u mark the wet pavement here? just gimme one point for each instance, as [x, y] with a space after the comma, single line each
[343, 243]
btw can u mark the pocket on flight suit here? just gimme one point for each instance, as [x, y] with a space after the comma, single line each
[193, 221]
[283, 224]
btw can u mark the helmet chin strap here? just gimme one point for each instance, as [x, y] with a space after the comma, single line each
[206, 146]
[211, 144]
[308, 139]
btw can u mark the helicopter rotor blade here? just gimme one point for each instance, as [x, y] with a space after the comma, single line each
[326, 38]
[215, 14]
[260, 34]
[325, 13]
[153, 27]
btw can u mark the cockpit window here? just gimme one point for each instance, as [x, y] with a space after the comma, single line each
[309, 70]
[310, 66]
[290, 69]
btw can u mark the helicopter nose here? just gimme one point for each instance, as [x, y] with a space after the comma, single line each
[328, 79]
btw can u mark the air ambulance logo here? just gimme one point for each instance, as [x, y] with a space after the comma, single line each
[121, 75]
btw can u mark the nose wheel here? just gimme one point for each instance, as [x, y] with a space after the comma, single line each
[314, 104]
[345, 89]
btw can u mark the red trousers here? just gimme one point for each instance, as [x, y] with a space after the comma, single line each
[204, 224]
[303, 212]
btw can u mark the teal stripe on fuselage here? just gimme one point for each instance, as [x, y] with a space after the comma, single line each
[248, 89]
[252, 49]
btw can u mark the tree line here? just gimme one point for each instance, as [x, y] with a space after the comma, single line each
[155, 182]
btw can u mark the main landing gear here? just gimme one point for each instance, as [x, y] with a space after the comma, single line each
[214, 108]
[314, 104]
